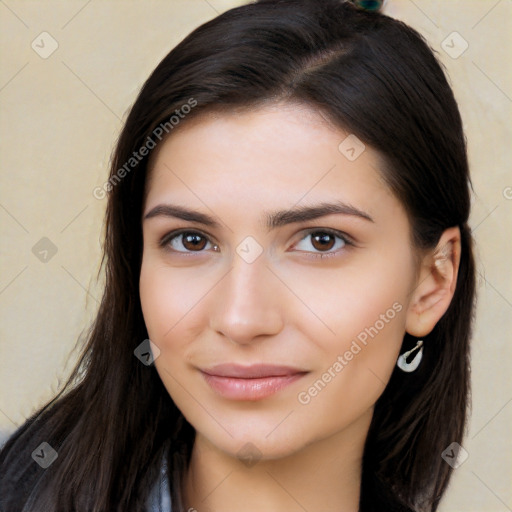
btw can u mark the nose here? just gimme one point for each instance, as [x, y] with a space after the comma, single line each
[248, 302]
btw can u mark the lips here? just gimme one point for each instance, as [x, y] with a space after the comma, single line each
[251, 372]
[250, 382]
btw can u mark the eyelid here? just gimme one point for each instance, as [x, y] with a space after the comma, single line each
[330, 231]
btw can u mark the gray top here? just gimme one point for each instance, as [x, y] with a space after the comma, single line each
[160, 497]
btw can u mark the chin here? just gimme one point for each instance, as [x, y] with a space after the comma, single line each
[251, 443]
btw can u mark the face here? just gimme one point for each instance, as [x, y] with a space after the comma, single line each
[279, 319]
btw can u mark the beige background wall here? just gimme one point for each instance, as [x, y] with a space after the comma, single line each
[61, 113]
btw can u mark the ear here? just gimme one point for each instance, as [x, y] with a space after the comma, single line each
[435, 285]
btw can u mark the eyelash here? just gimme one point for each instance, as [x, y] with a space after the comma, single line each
[166, 239]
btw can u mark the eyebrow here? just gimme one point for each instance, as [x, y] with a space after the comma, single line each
[273, 219]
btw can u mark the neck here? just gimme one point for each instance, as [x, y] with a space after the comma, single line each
[323, 476]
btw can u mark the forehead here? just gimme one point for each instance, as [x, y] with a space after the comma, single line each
[277, 154]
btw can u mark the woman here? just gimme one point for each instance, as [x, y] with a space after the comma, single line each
[322, 144]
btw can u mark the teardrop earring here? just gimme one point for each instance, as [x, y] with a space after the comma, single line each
[410, 367]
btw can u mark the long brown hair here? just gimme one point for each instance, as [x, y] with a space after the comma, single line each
[114, 423]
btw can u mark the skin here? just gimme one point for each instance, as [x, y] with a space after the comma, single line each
[209, 306]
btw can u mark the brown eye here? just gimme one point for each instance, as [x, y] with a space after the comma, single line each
[193, 241]
[186, 242]
[322, 241]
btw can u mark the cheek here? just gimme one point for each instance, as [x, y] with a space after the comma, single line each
[340, 303]
[158, 300]
[363, 311]
[169, 301]
[169, 298]
[355, 364]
